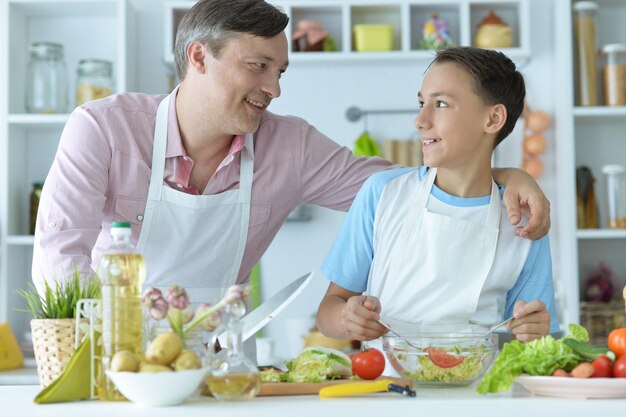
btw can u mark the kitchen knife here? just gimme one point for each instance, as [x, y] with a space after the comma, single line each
[354, 388]
[263, 314]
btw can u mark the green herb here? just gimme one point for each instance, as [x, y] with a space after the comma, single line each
[539, 357]
[58, 302]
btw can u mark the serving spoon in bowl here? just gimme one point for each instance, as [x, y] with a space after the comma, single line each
[386, 326]
[497, 326]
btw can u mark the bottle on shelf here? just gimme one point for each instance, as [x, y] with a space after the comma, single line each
[46, 79]
[616, 195]
[585, 50]
[614, 74]
[94, 80]
[122, 272]
[35, 196]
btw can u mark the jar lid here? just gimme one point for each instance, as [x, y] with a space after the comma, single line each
[613, 169]
[611, 48]
[585, 6]
[95, 66]
[46, 48]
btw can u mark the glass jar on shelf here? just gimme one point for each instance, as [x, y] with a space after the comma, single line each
[46, 79]
[94, 80]
[585, 52]
[614, 74]
[35, 196]
[616, 195]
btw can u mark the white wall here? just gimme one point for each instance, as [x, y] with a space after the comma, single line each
[321, 93]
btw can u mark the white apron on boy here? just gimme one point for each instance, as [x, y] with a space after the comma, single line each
[431, 269]
[196, 241]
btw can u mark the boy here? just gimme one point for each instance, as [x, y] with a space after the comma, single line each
[431, 245]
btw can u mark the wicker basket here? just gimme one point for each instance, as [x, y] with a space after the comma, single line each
[601, 318]
[53, 343]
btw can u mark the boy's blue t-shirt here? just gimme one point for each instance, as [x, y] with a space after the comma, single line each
[349, 261]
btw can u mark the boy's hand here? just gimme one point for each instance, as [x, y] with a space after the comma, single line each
[531, 322]
[359, 318]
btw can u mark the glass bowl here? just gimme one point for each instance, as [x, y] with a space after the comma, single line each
[156, 389]
[441, 359]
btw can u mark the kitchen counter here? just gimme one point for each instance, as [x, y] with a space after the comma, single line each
[21, 376]
[17, 401]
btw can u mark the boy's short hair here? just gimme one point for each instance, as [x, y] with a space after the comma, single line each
[497, 80]
[214, 22]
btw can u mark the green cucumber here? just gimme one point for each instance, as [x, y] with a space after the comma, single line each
[588, 351]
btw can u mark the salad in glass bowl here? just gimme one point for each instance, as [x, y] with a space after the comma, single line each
[441, 359]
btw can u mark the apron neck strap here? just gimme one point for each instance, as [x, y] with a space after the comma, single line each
[494, 213]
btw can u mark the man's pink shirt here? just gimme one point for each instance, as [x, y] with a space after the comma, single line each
[101, 174]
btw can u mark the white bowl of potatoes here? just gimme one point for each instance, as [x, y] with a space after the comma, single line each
[165, 364]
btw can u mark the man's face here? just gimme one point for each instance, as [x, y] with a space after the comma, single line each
[240, 84]
[452, 118]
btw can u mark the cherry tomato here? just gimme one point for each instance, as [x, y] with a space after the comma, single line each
[368, 364]
[617, 341]
[443, 359]
[619, 367]
[602, 367]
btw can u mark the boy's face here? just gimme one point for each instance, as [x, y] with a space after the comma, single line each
[452, 119]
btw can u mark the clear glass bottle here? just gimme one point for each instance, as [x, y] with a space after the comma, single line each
[46, 79]
[585, 51]
[35, 196]
[122, 272]
[94, 80]
[616, 195]
[236, 378]
[614, 74]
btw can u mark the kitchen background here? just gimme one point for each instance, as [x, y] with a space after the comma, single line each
[136, 35]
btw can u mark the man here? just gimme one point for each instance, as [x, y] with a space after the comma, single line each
[205, 175]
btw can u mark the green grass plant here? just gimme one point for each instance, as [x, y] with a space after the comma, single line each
[59, 302]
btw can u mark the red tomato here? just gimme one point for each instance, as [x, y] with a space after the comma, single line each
[602, 367]
[617, 341]
[443, 359]
[368, 364]
[619, 367]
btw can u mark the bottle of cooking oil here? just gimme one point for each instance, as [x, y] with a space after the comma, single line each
[240, 379]
[122, 272]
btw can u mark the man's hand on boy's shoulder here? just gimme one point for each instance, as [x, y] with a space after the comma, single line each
[523, 197]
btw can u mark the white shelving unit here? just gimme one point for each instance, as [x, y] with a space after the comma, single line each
[407, 16]
[28, 142]
[593, 137]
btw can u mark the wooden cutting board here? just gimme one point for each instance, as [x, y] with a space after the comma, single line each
[310, 388]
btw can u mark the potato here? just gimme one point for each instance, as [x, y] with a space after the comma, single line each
[187, 360]
[164, 349]
[125, 361]
[150, 367]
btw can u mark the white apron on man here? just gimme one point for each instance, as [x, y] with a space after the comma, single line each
[196, 241]
[433, 269]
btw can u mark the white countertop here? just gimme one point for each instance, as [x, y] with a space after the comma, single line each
[17, 401]
[22, 376]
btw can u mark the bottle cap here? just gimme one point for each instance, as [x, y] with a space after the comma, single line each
[582, 6]
[612, 48]
[120, 225]
[613, 169]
